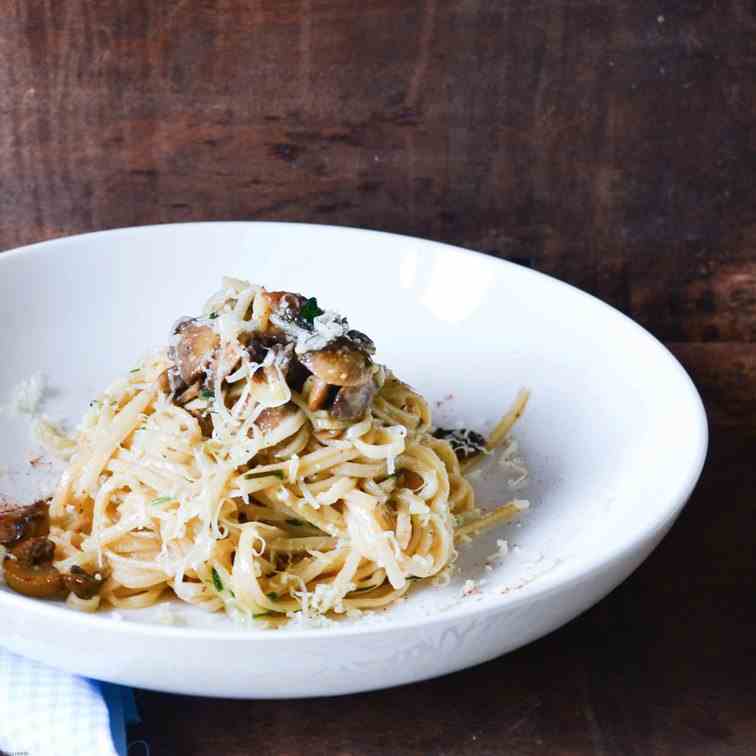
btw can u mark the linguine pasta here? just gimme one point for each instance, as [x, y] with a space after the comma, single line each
[263, 464]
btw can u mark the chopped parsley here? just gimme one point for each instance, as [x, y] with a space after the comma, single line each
[217, 581]
[296, 523]
[308, 312]
[162, 500]
[206, 394]
[275, 473]
[213, 315]
[135, 370]
[272, 595]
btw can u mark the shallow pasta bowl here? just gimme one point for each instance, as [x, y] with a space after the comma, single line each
[615, 438]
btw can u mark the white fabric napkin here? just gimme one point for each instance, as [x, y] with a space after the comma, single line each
[45, 712]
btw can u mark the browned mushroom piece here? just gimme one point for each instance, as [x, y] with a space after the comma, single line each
[206, 424]
[409, 479]
[318, 394]
[19, 522]
[340, 364]
[164, 383]
[28, 569]
[84, 585]
[271, 418]
[194, 350]
[351, 402]
[285, 303]
[34, 551]
[361, 341]
[296, 375]
[257, 349]
[187, 395]
[223, 361]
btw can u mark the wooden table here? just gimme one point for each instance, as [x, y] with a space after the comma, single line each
[612, 144]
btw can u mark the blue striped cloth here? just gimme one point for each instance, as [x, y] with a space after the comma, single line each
[45, 712]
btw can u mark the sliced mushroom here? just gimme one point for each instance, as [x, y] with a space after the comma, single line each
[194, 350]
[257, 350]
[19, 522]
[319, 391]
[164, 382]
[351, 402]
[29, 570]
[410, 479]
[206, 424]
[34, 551]
[339, 364]
[361, 341]
[188, 394]
[296, 374]
[285, 303]
[84, 585]
[272, 417]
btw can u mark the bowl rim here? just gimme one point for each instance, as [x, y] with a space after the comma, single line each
[545, 585]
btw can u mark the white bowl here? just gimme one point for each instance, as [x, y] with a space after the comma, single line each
[615, 437]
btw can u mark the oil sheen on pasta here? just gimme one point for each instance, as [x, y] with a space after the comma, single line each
[262, 464]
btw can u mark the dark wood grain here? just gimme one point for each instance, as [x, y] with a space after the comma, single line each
[612, 144]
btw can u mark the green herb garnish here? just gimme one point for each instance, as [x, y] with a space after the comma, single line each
[309, 311]
[217, 581]
[296, 523]
[275, 473]
[162, 500]
[206, 394]
[213, 315]
[135, 370]
[272, 595]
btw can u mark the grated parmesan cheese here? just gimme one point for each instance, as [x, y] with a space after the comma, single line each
[53, 438]
[502, 549]
[326, 328]
[169, 617]
[28, 395]
[442, 579]
[305, 621]
[514, 465]
[469, 588]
